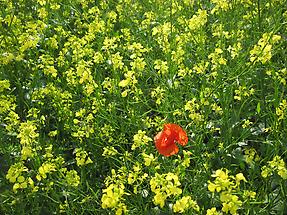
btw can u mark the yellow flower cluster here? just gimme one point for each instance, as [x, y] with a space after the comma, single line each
[28, 136]
[44, 169]
[213, 211]
[148, 159]
[193, 108]
[250, 156]
[158, 94]
[246, 123]
[60, 99]
[82, 157]
[227, 186]
[137, 50]
[140, 139]
[72, 178]
[164, 186]
[107, 133]
[276, 165]
[281, 110]
[109, 151]
[12, 120]
[261, 52]
[177, 56]
[7, 106]
[161, 34]
[6, 58]
[16, 175]
[161, 66]
[4, 85]
[217, 59]
[198, 20]
[279, 75]
[117, 61]
[113, 194]
[108, 84]
[235, 49]
[83, 124]
[218, 31]
[220, 5]
[200, 68]
[138, 64]
[136, 177]
[248, 194]
[243, 92]
[149, 18]
[185, 203]
[47, 64]
[112, 197]
[50, 164]
[183, 162]
[129, 83]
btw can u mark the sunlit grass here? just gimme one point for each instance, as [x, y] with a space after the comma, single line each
[86, 86]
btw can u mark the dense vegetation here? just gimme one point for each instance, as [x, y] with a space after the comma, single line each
[86, 85]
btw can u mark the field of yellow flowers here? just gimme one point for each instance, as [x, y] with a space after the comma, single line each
[143, 107]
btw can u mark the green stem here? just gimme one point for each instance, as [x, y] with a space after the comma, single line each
[259, 15]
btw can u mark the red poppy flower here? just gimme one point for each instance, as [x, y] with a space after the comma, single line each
[165, 140]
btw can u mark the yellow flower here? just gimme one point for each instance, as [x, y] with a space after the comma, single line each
[219, 5]
[266, 171]
[82, 157]
[221, 174]
[181, 204]
[277, 164]
[140, 139]
[249, 194]
[159, 199]
[228, 187]
[246, 123]
[261, 52]
[72, 178]
[212, 187]
[16, 175]
[109, 151]
[164, 186]
[240, 177]
[148, 159]
[161, 66]
[117, 61]
[212, 211]
[45, 168]
[121, 209]
[158, 94]
[184, 203]
[138, 64]
[198, 20]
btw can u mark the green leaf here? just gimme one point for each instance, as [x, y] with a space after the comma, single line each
[258, 108]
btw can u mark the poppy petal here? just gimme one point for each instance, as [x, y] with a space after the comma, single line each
[164, 144]
[169, 150]
[165, 141]
[179, 134]
[182, 138]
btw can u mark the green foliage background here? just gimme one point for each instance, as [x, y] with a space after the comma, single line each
[86, 85]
